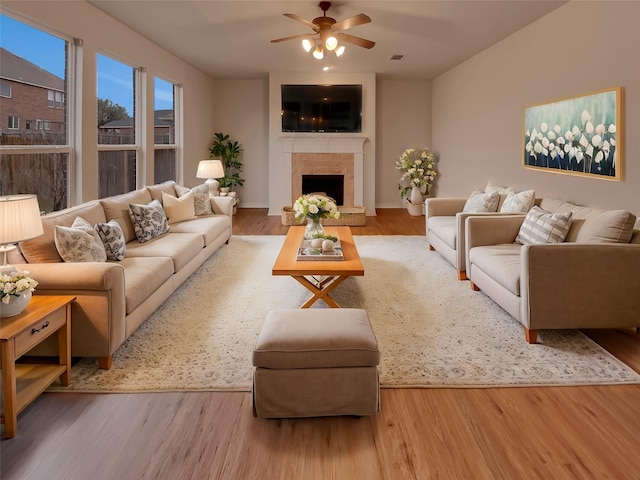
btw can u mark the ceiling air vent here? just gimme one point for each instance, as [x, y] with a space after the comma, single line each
[397, 56]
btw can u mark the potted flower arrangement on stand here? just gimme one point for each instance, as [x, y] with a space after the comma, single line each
[15, 292]
[314, 207]
[418, 174]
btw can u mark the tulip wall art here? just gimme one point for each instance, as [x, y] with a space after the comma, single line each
[581, 135]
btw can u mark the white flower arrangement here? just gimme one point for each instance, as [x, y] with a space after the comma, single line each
[418, 170]
[315, 206]
[15, 283]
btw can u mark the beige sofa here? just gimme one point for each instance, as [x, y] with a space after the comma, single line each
[588, 281]
[115, 297]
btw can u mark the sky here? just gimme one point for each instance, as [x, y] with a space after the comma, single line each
[115, 80]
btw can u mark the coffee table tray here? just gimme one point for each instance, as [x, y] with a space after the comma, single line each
[308, 253]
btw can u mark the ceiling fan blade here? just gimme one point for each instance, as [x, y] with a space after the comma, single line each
[351, 22]
[361, 42]
[297, 18]
[292, 37]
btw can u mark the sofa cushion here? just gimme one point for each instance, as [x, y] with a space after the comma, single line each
[113, 239]
[143, 276]
[593, 225]
[540, 226]
[201, 202]
[149, 221]
[43, 249]
[117, 208]
[518, 202]
[445, 228]
[156, 191]
[179, 209]
[500, 262]
[482, 202]
[79, 243]
[209, 227]
[180, 247]
[503, 192]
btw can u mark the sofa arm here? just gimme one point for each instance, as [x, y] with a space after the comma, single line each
[447, 206]
[492, 229]
[570, 285]
[222, 205]
[76, 276]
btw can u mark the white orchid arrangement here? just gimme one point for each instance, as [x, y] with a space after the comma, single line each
[418, 170]
[15, 283]
[315, 206]
[586, 148]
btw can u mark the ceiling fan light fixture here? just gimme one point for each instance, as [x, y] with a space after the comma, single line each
[318, 54]
[307, 45]
[331, 43]
[339, 51]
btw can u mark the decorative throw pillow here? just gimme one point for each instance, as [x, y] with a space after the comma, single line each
[179, 209]
[201, 202]
[79, 242]
[481, 202]
[113, 239]
[518, 202]
[540, 226]
[503, 192]
[149, 220]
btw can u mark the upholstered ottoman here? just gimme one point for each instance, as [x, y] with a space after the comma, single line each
[316, 362]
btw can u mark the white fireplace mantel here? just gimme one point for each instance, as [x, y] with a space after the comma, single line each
[323, 143]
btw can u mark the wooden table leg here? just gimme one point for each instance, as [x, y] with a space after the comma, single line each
[10, 414]
[321, 289]
[64, 348]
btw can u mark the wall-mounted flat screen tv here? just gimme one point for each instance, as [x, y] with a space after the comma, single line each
[322, 108]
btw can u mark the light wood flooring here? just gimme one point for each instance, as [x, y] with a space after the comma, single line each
[585, 432]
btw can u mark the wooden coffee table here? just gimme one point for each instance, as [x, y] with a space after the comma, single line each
[322, 276]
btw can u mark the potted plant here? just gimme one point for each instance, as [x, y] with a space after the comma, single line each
[418, 174]
[228, 151]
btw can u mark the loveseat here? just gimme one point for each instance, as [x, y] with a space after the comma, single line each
[587, 280]
[445, 218]
[114, 297]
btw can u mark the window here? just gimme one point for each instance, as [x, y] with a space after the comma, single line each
[5, 89]
[165, 165]
[34, 156]
[59, 100]
[116, 133]
[50, 101]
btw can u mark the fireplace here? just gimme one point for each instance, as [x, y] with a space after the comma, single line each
[330, 185]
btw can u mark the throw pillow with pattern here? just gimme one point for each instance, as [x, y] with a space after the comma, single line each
[79, 242]
[201, 202]
[480, 202]
[113, 240]
[518, 202]
[540, 226]
[149, 220]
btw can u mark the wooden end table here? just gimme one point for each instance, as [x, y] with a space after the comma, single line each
[321, 276]
[22, 383]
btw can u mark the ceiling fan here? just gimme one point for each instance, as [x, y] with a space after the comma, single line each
[327, 33]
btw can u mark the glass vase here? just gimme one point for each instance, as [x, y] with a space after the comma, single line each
[313, 229]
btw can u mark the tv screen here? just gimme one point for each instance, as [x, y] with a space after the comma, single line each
[321, 108]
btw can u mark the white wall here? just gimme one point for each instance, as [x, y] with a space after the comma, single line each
[102, 34]
[478, 106]
[404, 121]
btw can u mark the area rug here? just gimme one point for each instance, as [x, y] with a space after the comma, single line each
[432, 329]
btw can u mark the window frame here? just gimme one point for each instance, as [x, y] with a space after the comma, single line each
[13, 122]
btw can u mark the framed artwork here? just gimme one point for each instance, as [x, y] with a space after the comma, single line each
[578, 136]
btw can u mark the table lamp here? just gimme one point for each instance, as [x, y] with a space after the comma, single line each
[211, 169]
[19, 220]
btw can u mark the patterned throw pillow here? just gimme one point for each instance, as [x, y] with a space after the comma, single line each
[201, 202]
[481, 202]
[113, 239]
[540, 226]
[79, 242]
[149, 220]
[518, 202]
[179, 209]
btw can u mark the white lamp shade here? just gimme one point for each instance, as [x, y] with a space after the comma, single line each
[19, 218]
[339, 51]
[210, 169]
[331, 42]
[307, 45]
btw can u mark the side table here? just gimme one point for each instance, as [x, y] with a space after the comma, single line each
[22, 383]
